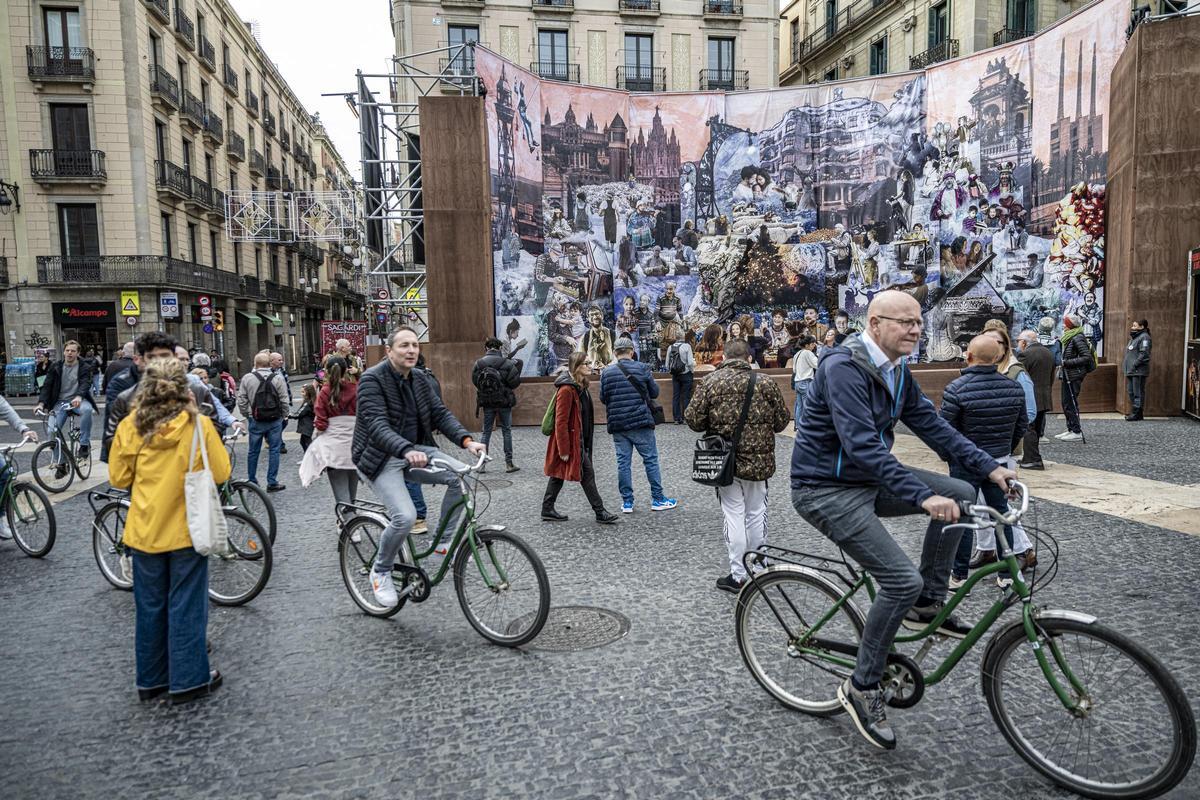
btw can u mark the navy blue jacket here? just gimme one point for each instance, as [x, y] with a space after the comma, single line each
[849, 422]
[988, 408]
[626, 409]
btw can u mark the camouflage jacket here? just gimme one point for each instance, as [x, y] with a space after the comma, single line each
[717, 405]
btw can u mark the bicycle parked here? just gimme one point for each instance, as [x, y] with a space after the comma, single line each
[500, 581]
[1091, 710]
[27, 509]
[57, 460]
[233, 580]
[244, 494]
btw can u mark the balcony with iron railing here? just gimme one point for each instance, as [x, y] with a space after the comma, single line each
[250, 287]
[556, 71]
[639, 8]
[4, 271]
[258, 164]
[287, 185]
[185, 29]
[274, 180]
[251, 103]
[285, 139]
[164, 89]
[728, 80]
[268, 122]
[200, 195]
[310, 252]
[942, 51]
[208, 55]
[1006, 35]
[136, 272]
[216, 208]
[172, 181]
[61, 65]
[160, 9]
[471, 3]
[722, 9]
[562, 6]
[68, 166]
[235, 145]
[193, 112]
[230, 79]
[214, 127]
[642, 79]
[846, 20]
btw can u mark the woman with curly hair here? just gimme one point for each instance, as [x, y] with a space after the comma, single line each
[151, 453]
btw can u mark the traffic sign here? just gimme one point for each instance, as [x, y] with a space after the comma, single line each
[131, 321]
[208, 328]
[205, 308]
[381, 293]
[130, 304]
[168, 305]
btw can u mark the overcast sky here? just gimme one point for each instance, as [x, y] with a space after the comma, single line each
[317, 46]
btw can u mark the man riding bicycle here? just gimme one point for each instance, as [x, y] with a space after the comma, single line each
[844, 478]
[68, 390]
[398, 412]
[10, 415]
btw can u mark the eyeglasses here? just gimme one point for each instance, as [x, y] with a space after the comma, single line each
[908, 323]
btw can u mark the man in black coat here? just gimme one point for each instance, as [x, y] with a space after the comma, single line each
[1038, 361]
[494, 378]
[398, 411]
[68, 390]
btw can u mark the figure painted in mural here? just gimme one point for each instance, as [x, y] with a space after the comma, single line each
[841, 326]
[557, 226]
[735, 330]
[900, 214]
[598, 340]
[545, 271]
[947, 200]
[1028, 278]
[1091, 316]
[744, 191]
[526, 123]
[701, 312]
[640, 226]
[808, 195]
[657, 265]
[687, 234]
[775, 354]
[970, 223]
[685, 258]
[510, 251]
[627, 320]
[711, 350]
[930, 177]
[976, 189]
[828, 342]
[962, 134]
[974, 254]
[582, 223]
[610, 223]
[645, 328]
[513, 345]
[789, 193]
[562, 331]
[869, 259]
[837, 264]
[721, 226]
[941, 138]
[669, 306]
[954, 261]
[627, 263]
[812, 324]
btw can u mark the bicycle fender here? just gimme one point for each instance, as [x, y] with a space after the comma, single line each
[1059, 613]
[496, 528]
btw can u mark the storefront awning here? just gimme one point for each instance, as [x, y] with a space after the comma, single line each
[276, 321]
[253, 319]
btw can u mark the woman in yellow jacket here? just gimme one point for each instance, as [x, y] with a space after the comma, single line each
[170, 579]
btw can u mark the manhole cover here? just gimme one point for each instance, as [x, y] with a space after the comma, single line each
[496, 483]
[570, 628]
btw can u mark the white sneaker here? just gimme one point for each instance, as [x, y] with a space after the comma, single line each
[1062, 435]
[127, 567]
[1072, 437]
[957, 583]
[5, 531]
[384, 589]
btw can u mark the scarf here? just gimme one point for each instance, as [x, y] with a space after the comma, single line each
[1069, 335]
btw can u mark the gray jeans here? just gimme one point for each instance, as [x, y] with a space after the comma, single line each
[344, 483]
[849, 517]
[390, 489]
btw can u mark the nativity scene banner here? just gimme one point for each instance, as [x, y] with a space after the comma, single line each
[776, 215]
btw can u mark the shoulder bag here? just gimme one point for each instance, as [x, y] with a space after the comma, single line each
[656, 410]
[715, 458]
[205, 517]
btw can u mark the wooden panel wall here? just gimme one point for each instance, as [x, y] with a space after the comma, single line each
[1153, 199]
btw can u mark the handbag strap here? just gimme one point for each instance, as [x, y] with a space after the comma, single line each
[741, 423]
[198, 438]
[641, 392]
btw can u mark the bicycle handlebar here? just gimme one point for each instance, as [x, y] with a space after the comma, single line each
[446, 466]
[12, 448]
[977, 510]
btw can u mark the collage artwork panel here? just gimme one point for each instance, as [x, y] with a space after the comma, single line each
[775, 214]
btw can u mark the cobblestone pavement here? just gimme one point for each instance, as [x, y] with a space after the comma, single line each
[322, 701]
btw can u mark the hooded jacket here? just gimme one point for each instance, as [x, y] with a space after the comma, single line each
[1137, 356]
[157, 521]
[573, 429]
[121, 392]
[1077, 356]
[988, 408]
[849, 426]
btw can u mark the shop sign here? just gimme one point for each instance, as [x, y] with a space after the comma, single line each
[168, 305]
[130, 304]
[355, 331]
[84, 313]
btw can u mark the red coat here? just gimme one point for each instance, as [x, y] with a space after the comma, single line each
[567, 438]
[324, 409]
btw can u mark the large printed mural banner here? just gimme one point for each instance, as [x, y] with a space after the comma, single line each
[777, 215]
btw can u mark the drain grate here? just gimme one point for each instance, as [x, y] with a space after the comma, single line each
[571, 628]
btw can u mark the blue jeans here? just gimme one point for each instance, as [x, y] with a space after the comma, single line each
[801, 397]
[170, 595]
[504, 417]
[994, 497]
[418, 498]
[85, 411]
[391, 488]
[273, 431]
[849, 517]
[647, 447]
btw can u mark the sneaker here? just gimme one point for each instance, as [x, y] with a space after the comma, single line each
[127, 567]
[982, 557]
[60, 471]
[1038, 466]
[384, 589]
[1072, 437]
[283, 449]
[1062, 435]
[666, 504]
[866, 708]
[918, 617]
[5, 531]
[728, 584]
[83, 453]
[957, 582]
[511, 467]
[627, 507]
[419, 526]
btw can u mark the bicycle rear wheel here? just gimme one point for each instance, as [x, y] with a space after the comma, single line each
[502, 588]
[1134, 735]
[237, 578]
[108, 526]
[772, 612]
[31, 519]
[356, 560]
[50, 468]
[253, 499]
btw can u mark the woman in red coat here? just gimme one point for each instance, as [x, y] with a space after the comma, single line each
[569, 451]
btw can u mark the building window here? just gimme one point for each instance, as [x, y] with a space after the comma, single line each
[291, 275]
[939, 23]
[187, 156]
[167, 237]
[830, 18]
[832, 74]
[78, 231]
[155, 50]
[69, 128]
[1021, 15]
[181, 68]
[193, 244]
[879, 56]
[463, 60]
[552, 54]
[257, 262]
[720, 57]
[639, 62]
[208, 169]
[795, 29]
[274, 267]
[237, 258]
[160, 140]
[214, 245]
[62, 31]
[1172, 6]
[233, 181]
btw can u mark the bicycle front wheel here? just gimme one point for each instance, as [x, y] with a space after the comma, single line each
[237, 578]
[253, 499]
[83, 464]
[1132, 735]
[114, 560]
[780, 606]
[31, 520]
[50, 468]
[502, 588]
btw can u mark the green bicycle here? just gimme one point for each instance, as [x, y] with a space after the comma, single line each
[27, 508]
[501, 584]
[1091, 710]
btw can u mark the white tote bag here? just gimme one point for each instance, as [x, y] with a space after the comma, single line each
[205, 518]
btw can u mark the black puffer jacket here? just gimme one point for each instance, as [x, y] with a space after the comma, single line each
[118, 408]
[987, 408]
[1077, 357]
[510, 376]
[379, 419]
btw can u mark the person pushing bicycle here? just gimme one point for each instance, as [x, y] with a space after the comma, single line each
[398, 411]
[10, 415]
[844, 478]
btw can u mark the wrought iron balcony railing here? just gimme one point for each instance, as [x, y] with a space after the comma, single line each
[230, 79]
[201, 193]
[722, 8]
[251, 103]
[729, 80]
[943, 51]
[1006, 35]
[48, 166]
[642, 79]
[285, 139]
[556, 71]
[193, 111]
[235, 145]
[274, 182]
[268, 122]
[139, 271]
[553, 5]
[208, 54]
[185, 29]
[258, 164]
[61, 63]
[214, 128]
[160, 9]
[164, 87]
[172, 179]
[639, 6]
[846, 20]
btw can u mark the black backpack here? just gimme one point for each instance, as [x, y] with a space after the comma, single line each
[492, 393]
[675, 363]
[265, 406]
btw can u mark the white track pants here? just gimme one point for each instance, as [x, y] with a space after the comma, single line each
[744, 506]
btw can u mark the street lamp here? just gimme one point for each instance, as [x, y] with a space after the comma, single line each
[7, 202]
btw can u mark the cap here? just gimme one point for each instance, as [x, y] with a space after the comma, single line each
[1046, 324]
[623, 343]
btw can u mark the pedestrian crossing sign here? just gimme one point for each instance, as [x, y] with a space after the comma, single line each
[130, 305]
